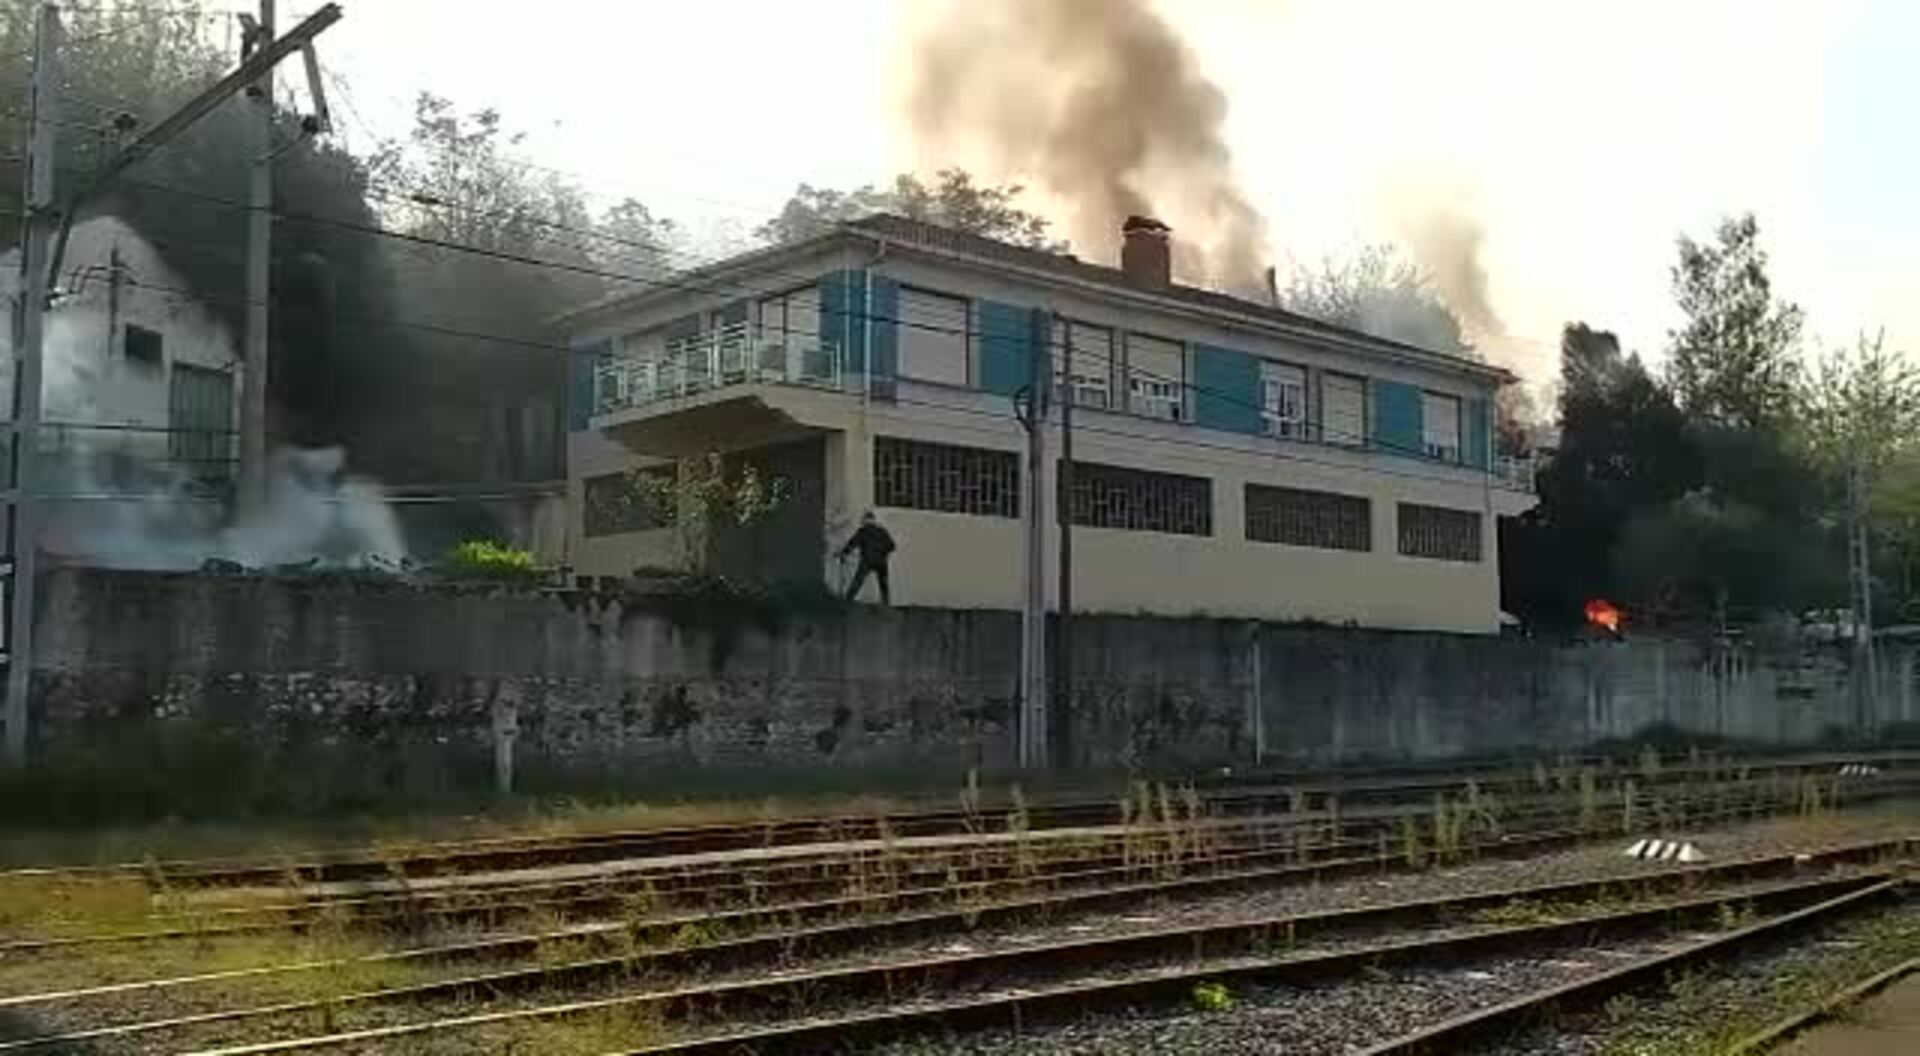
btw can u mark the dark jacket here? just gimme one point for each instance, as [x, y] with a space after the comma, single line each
[874, 544]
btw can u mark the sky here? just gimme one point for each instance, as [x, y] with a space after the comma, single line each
[1583, 137]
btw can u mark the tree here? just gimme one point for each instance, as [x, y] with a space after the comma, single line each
[1895, 513]
[462, 178]
[1860, 405]
[1708, 560]
[1624, 447]
[952, 199]
[1733, 361]
[1516, 421]
[1860, 413]
[703, 496]
[1377, 291]
[636, 241]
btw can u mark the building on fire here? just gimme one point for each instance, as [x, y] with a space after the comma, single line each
[1230, 458]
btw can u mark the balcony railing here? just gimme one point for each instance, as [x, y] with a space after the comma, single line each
[715, 360]
[1515, 472]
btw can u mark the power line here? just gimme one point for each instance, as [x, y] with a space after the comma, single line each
[996, 416]
[965, 330]
[1371, 443]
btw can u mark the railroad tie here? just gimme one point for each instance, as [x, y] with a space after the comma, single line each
[1666, 851]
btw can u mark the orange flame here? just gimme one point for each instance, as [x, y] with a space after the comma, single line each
[1602, 613]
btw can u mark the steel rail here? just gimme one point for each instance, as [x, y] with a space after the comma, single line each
[501, 852]
[713, 888]
[1452, 1034]
[760, 949]
[1246, 941]
[1275, 839]
[1150, 848]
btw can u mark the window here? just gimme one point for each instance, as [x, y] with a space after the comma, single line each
[1439, 533]
[1283, 400]
[143, 344]
[1320, 519]
[200, 421]
[1086, 352]
[625, 502]
[945, 478]
[795, 313]
[1140, 501]
[1343, 409]
[1440, 426]
[1156, 377]
[933, 337]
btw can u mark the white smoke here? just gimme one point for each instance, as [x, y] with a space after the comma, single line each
[316, 515]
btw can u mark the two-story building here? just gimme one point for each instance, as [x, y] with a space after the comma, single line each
[1229, 458]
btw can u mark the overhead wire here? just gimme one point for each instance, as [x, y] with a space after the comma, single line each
[965, 330]
[1004, 418]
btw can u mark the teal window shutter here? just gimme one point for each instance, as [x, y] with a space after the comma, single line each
[1226, 389]
[1006, 346]
[843, 318]
[1396, 418]
[582, 358]
[1477, 439]
[885, 328]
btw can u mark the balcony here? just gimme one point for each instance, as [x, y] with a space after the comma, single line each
[719, 359]
[1516, 473]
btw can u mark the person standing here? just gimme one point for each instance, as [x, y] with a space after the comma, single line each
[875, 546]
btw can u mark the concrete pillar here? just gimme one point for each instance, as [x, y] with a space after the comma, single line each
[848, 478]
[506, 730]
[1253, 695]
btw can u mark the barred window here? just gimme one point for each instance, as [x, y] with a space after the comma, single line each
[623, 502]
[1440, 533]
[200, 422]
[945, 478]
[1320, 519]
[1140, 501]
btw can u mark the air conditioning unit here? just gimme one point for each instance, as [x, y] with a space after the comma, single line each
[614, 388]
[1285, 428]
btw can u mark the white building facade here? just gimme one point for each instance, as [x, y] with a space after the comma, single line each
[1229, 458]
[139, 378]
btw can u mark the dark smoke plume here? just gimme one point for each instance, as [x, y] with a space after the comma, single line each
[1102, 104]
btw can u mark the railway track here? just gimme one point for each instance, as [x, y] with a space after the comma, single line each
[788, 945]
[834, 1008]
[1261, 794]
[898, 876]
[798, 946]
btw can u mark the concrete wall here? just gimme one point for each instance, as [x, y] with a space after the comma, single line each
[380, 669]
[959, 561]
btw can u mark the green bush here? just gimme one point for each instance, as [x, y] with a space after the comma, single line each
[485, 559]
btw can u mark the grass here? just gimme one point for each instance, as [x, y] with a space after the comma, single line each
[1703, 1015]
[327, 941]
[1212, 997]
[1167, 831]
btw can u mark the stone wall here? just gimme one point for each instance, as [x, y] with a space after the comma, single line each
[391, 674]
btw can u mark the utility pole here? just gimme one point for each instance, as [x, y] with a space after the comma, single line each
[1062, 725]
[46, 225]
[1033, 618]
[253, 373]
[1860, 573]
[39, 218]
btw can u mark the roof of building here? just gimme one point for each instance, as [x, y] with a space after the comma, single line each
[949, 241]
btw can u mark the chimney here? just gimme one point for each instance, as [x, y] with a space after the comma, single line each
[1144, 254]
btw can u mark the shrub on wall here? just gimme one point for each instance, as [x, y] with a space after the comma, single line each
[485, 559]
